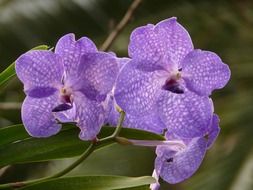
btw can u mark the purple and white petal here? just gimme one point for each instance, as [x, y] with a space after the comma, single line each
[164, 44]
[168, 151]
[122, 62]
[213, 131]
[37, 116]
[186, 115]
[90, 116]
[41, 92]
[97, 74]
[177, 40]
[137, 91]
[150, 122]
[183, 164]
[41, 72]
[204, 71]
[162, 153]
[71, 51]
[146, 45]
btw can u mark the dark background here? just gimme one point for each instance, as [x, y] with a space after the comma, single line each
[225, 27]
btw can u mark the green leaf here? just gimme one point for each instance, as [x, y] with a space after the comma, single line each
[9, 72]
[12, 133]
[143, 187]
[92, 183]
[17, 147]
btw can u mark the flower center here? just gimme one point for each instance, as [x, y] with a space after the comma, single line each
[66, 95]
[66, 98]
[169, 160]
[172, 84]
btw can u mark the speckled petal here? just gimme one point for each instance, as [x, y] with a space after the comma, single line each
[37, 116]
[150, 122]
[146, 44]
[41, 72]
[97, 75]
[177, 40]
[183, 164]
[164, 44]
[71, 51]
[122, 61]
[204, 72]
[90, 116]
[186, 115]
[137, 91]
[41, 92]
[213, 131]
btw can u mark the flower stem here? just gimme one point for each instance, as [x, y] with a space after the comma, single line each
[119, 126]
[127, 17]
[116, 131]
[85, 155]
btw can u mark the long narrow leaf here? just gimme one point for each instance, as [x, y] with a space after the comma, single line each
[93, 183]
[17, 147]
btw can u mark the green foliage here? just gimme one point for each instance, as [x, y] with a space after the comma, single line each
[15, 141]
[7, 74]
[94, 183]
[224, 27]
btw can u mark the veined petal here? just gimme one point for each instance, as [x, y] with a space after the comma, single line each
[146, 44]
[203, 72]
[41, 72]
[187, 115]
[37, 116]
[137, 91]
[177, 40]
[40, 92]
[213, 131]
[97, 74]
[90, 116]
[122, 61]
[183, 164]
[71, 52]
[164, 44]
[150, 122]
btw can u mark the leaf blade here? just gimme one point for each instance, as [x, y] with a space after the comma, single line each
[92, 183]
[66, 144]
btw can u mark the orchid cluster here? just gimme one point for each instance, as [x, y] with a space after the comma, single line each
[163, 87]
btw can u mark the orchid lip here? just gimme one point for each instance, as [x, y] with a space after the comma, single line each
[66, 95]
[173, 86]
[62, 107]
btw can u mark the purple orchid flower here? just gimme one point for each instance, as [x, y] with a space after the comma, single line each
[150, 122]
[177, 163]
[70, 85]
[166, 74]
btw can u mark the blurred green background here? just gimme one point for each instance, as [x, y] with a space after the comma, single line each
[225, 27]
